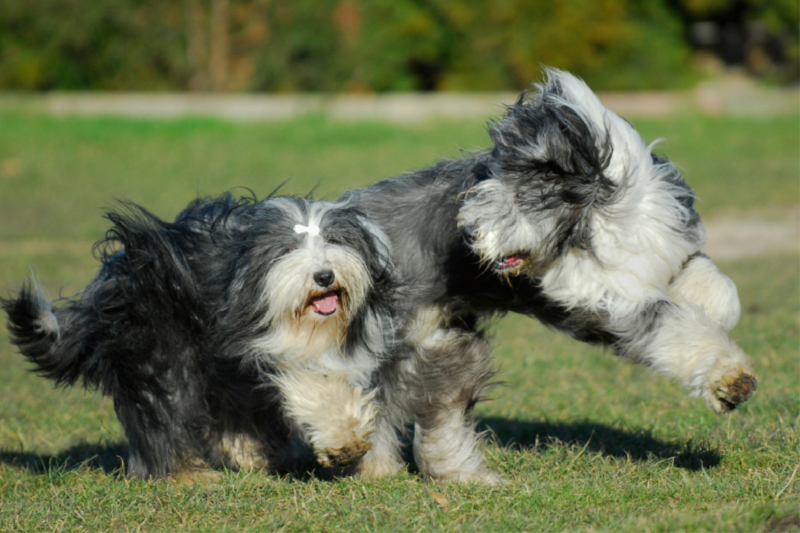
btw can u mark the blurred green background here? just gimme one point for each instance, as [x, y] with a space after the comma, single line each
[586, 442]
[387, 45]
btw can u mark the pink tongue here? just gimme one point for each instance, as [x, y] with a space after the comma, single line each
[326, 304]
[513, 260]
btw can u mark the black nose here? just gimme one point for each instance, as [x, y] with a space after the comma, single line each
[324, 278]
[468, 232]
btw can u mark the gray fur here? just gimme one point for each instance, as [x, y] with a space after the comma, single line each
[174, 329]
[559, 173]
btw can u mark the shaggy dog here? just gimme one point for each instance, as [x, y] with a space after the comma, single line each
[240, 334]
[568, 218]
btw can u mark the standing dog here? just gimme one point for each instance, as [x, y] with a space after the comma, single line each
[229, 336]
[568, 218]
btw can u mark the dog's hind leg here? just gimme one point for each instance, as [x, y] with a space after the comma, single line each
[449, 374]
[383, 459]
[159, 427]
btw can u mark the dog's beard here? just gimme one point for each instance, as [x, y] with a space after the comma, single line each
[306, 320]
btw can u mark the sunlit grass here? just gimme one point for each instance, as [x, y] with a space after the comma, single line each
[587, 442]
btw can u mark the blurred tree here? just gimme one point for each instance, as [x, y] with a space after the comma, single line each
[383, 45]
[612, 43]
[219, 53]
[357, 45]
[196, 44]
[97, 44]
[762, 35]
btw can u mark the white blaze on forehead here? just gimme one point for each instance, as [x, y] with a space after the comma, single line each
[311, 229]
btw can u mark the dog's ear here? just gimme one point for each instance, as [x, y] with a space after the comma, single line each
[380, 255]
[568, 157]
[553, 148]
[555, 139]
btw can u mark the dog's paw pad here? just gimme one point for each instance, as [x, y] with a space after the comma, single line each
[345, 455]
[734, 391]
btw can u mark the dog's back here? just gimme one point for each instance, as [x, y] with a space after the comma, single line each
[145, 276]
[136, 331]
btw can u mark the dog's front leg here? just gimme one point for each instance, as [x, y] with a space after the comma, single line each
[701, 283]
[383, 459]
[449, 373]
[683, 342]
[330, 414]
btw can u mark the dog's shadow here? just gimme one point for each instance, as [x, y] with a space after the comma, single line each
[108, 457]
[638, 445]
[603, 439]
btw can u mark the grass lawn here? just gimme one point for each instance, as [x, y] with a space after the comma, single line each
[586, 441]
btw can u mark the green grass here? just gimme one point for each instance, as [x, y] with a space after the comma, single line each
[587, 442]
[56, 174]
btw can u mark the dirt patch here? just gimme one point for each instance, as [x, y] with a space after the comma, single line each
[733, 94]
[736, 238]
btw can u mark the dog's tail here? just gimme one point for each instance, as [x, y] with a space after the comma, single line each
[144, 292]
[38, 329]
[575, 159]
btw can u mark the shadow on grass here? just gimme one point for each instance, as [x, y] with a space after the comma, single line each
[105, 457]
[602, 439]
[598, 438]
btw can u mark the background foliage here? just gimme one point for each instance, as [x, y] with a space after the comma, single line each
[372, 45]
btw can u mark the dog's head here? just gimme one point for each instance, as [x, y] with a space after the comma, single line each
[571, 179]
[308, 276]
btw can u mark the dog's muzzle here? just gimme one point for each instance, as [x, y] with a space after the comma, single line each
[469, 233]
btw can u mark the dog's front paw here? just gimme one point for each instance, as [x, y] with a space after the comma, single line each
[725, 376]
[343, 455]
[343, 436]
[731, 390]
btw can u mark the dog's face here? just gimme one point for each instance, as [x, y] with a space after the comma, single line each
[577, 201]
[509, 236]
[313, 268]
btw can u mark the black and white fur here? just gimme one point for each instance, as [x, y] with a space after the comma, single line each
[581, 207]
[236, 335]
[606, 236]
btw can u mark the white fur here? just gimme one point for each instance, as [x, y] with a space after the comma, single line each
[383, 459]
[333, 416]
[450, 450]
[46, 321]
[501, 230]
[296, 331]
[313, 229]
[637, 247]
[702, 284]
[692, 348]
